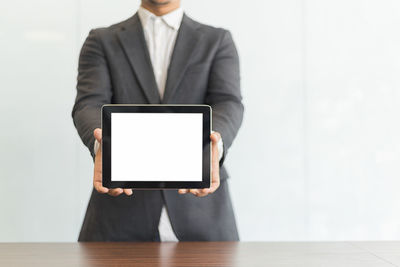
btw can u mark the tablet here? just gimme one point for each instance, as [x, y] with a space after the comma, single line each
[156, 146]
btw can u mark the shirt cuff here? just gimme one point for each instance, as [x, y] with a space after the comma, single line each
[96, 146]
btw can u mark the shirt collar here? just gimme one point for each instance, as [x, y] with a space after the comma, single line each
[172, 19]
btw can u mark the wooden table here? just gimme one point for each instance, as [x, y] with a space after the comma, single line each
[202, 254]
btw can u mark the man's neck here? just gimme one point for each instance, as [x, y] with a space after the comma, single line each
[161, 10]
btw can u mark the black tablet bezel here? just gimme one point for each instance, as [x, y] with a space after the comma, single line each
[106, 145]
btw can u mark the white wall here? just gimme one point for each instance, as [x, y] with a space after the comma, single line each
[317, 157]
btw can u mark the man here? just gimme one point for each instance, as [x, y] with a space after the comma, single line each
[159, 56]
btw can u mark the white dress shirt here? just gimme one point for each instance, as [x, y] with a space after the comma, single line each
[160, 34]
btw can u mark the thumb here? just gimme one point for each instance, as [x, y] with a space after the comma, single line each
[215, 137]
[97, 134]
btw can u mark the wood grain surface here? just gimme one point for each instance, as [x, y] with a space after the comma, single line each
[202, 254]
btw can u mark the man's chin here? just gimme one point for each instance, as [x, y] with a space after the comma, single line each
[159, 2]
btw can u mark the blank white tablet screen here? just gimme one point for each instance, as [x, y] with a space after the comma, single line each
[156, 146]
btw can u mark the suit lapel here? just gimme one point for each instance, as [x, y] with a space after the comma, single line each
[132, 39]
[184, 46]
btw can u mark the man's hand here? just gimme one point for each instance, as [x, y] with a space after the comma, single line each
[215, 180]
[97, 176]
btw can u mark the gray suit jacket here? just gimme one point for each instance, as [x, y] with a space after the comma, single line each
[115, 67]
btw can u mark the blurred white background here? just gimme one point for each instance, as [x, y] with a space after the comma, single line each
[317, 158]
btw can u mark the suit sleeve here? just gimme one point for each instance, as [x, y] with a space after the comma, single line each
[224, 94]
[93, 90]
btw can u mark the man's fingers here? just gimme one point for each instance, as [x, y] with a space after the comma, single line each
[128, 191]
[200, 192]
[215, 179]
[115, 192]
[182, 191]
[203, 192]
[112, 192]
[214, 186]
[97, 134]
[214, 149]
[197, 192]
[97, 176]
[194, 191]
[100, 188]
[215, 136]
